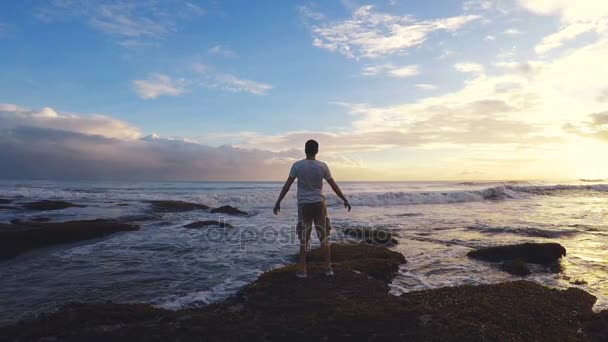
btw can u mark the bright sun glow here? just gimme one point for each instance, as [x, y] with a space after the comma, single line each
[588, 159]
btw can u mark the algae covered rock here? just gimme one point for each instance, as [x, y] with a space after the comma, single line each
[536, 253]
[24, 236]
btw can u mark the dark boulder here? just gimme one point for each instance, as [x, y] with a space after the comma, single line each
[203, 224]
[516, 267]
[176, 206]
[226, 209]
[50, 205]
[372, 236]
[24, 236]
[536, 253]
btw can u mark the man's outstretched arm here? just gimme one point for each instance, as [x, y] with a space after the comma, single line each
[338, 192]
[277, 206]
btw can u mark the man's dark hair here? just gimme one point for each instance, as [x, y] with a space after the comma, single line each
[312, 147]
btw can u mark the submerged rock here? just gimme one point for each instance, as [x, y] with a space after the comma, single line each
[30, 220]
[372, 236]
[516, 267]
[203, 224]
[351, 305]
[226, 209]
[5, 201]
[24, 236]
[50, 205]
[536, 253]
[176, 206]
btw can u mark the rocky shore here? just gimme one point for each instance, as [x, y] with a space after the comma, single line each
[354, 304]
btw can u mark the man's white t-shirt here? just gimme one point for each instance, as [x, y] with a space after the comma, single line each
[310, 175]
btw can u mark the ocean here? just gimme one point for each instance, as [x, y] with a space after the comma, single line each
[172, 267]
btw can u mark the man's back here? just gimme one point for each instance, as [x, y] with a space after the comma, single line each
[310, 174]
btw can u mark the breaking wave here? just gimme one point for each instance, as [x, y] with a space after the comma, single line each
[265, 197]
[539, 189]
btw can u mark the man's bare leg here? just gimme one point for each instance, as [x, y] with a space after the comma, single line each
[326, 253]
[303, 250]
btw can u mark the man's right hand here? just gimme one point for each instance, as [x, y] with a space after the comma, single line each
[277, 208]
[347, 206]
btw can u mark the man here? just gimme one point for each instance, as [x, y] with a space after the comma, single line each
[311, 203]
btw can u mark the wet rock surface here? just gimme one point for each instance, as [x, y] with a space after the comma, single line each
[354, 304]
[5, 201]
[30, 220]
[204, 224]
[176, 206]
[21, 236]
[516, 267]
[536, 253]
[380, 237]
[226, 209]
[50, 205]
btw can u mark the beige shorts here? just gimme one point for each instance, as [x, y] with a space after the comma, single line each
[309, 213]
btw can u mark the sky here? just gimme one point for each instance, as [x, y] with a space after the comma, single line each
[231, 90]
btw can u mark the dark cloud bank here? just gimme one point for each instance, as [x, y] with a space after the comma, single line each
[40, 153]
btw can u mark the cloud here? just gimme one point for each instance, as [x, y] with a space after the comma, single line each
[603, 96]
[309, 13]
[391, 70]
[568, 11]
[212, 78]
[596, 127]
[370, 34]
[567, 33]
[13, 116]
[425, 86]
[235, 84]
[490, 38]
[46, 144]
[469, 67]
[526, 68]
[159, 85]
[222, 51]
[512, 32]
[129, 21]
[577, 17]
